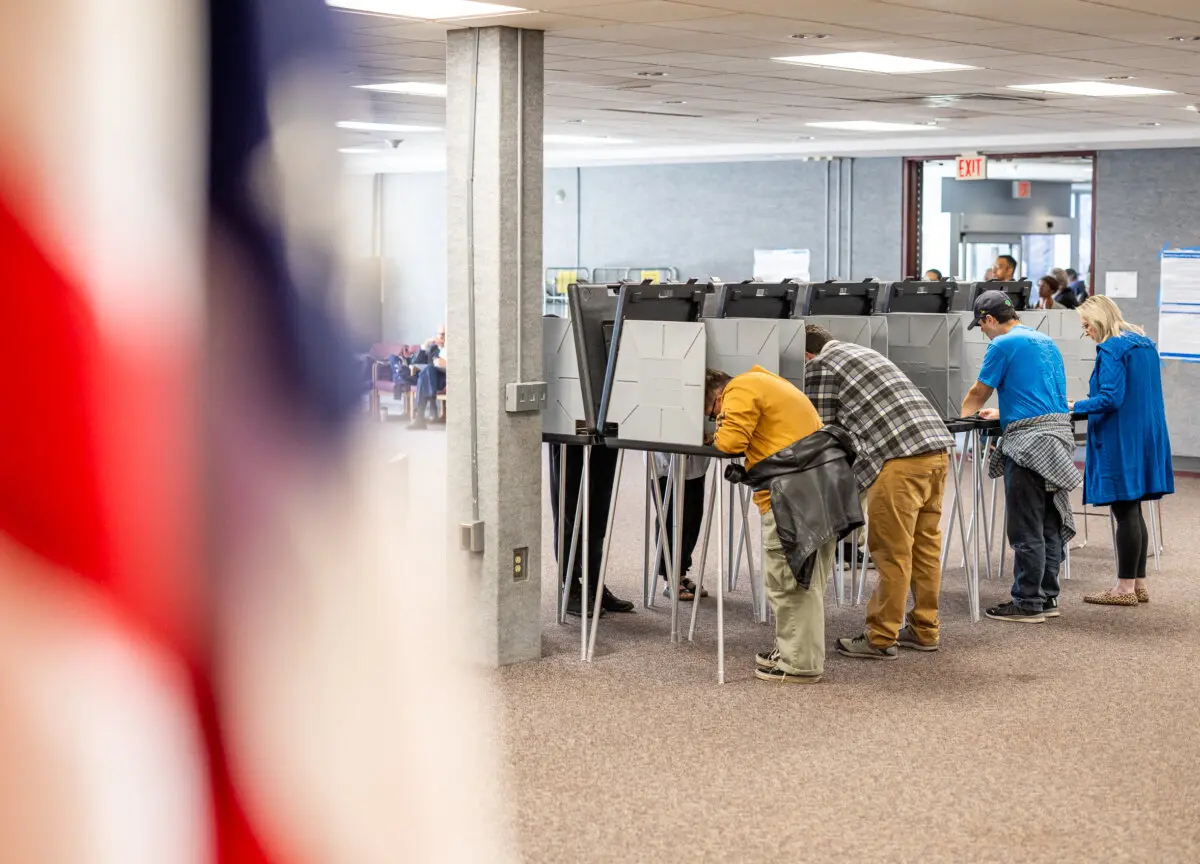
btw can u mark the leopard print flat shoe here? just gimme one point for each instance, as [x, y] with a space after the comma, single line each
[1107, 598]
[1142, 595]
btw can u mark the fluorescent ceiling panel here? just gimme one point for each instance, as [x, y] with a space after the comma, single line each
[1092, 88]
[582, 139]
[409, 88]
[426, 10]
[871, 126]
[865, 61]
[362, 126]
[361, 150]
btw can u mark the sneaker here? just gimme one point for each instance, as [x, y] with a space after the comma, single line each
[610, 602]
[862, 649]
[1012, 612]
[907, 639]
[766, 659]
[1050, 608]
[777, 674]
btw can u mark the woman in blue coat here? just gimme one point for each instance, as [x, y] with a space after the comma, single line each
[1128, 451]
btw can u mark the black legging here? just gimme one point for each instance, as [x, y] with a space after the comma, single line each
[1133, 540]
[693, 519]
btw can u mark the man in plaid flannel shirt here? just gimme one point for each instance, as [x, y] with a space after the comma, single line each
[901, 467]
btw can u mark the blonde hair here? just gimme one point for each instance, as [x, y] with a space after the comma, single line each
[1105, 318]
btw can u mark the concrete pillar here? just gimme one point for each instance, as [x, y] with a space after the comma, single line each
[494, 197]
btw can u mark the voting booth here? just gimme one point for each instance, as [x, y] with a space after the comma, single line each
[919, 327]
[755, 323]
[846, 310]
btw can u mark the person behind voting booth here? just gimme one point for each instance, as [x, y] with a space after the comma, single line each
[695, 470]
[806, 494]
[1036, 454]
[901, 443]
[603, 475]
[1128, 449]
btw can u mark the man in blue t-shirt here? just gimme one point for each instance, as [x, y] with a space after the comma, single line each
[1025, 369]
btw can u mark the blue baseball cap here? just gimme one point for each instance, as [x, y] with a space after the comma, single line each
[989, 303]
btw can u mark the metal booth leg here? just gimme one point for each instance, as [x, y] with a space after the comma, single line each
[587, 536]
[677, 547]
[708, 527]
[648, 573]
[560, 536]
[721, 591]
[612, 510]
[1154, 535]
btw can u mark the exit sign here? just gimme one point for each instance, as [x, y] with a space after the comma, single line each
[972, 167]
[1022, 189]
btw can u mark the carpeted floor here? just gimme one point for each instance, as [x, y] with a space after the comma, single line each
[1071, 741]
[1076, 740]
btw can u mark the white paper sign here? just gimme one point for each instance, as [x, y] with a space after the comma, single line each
[1179, 332]
[1120, 283]
[1180, 276]
[775, 265]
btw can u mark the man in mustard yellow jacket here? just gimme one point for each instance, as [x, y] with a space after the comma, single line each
[759, 413]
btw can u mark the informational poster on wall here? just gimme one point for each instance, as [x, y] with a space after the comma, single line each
[775, 265]
[1121, 284]
[1179, 305]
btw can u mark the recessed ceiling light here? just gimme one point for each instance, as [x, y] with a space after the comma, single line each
[871, 126]
[362, 126]
[809, 36]
[1191, 108]
[583, 139]
[674, 102]
[1150, 123]
[865, 61]
[1185, 38]
[1091, 88]
[426, 10]
[574, 121]
[805, 138]
[409, 88]
[1119, 78]
[653, 74]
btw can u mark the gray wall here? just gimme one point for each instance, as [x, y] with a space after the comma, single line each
[1146, 199]
[414, 249]
[705, 220]
[995, 196]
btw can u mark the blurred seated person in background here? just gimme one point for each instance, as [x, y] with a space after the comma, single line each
[1064, 297]
[1053, 294]
[933, 275]
[1077, 285]
[1129, 450]
[405, 370]
[693, 518]
[1005, 269]
[430, 382]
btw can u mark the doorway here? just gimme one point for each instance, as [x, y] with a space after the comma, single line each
[1036, 208]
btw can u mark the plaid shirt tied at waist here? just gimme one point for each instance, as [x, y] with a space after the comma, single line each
[1046, 446]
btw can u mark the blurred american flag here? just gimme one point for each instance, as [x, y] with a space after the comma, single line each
[203, 657]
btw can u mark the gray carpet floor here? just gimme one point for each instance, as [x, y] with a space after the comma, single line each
[1077, 740]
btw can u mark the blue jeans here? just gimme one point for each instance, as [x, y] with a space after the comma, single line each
[1035, 535]
[430, 382]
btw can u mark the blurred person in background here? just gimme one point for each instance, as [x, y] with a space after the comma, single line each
[1052, 294]
[1128, 449]
[1005, 269]
[933, 275]
[1076, 284]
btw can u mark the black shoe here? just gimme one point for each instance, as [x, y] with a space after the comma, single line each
[853, 556]
[1012, 612]
[778, 675]
[1050, 608]
[574, 605]
[610, 602]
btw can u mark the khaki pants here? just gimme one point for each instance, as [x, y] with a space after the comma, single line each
[904, 510]
[799, 612]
